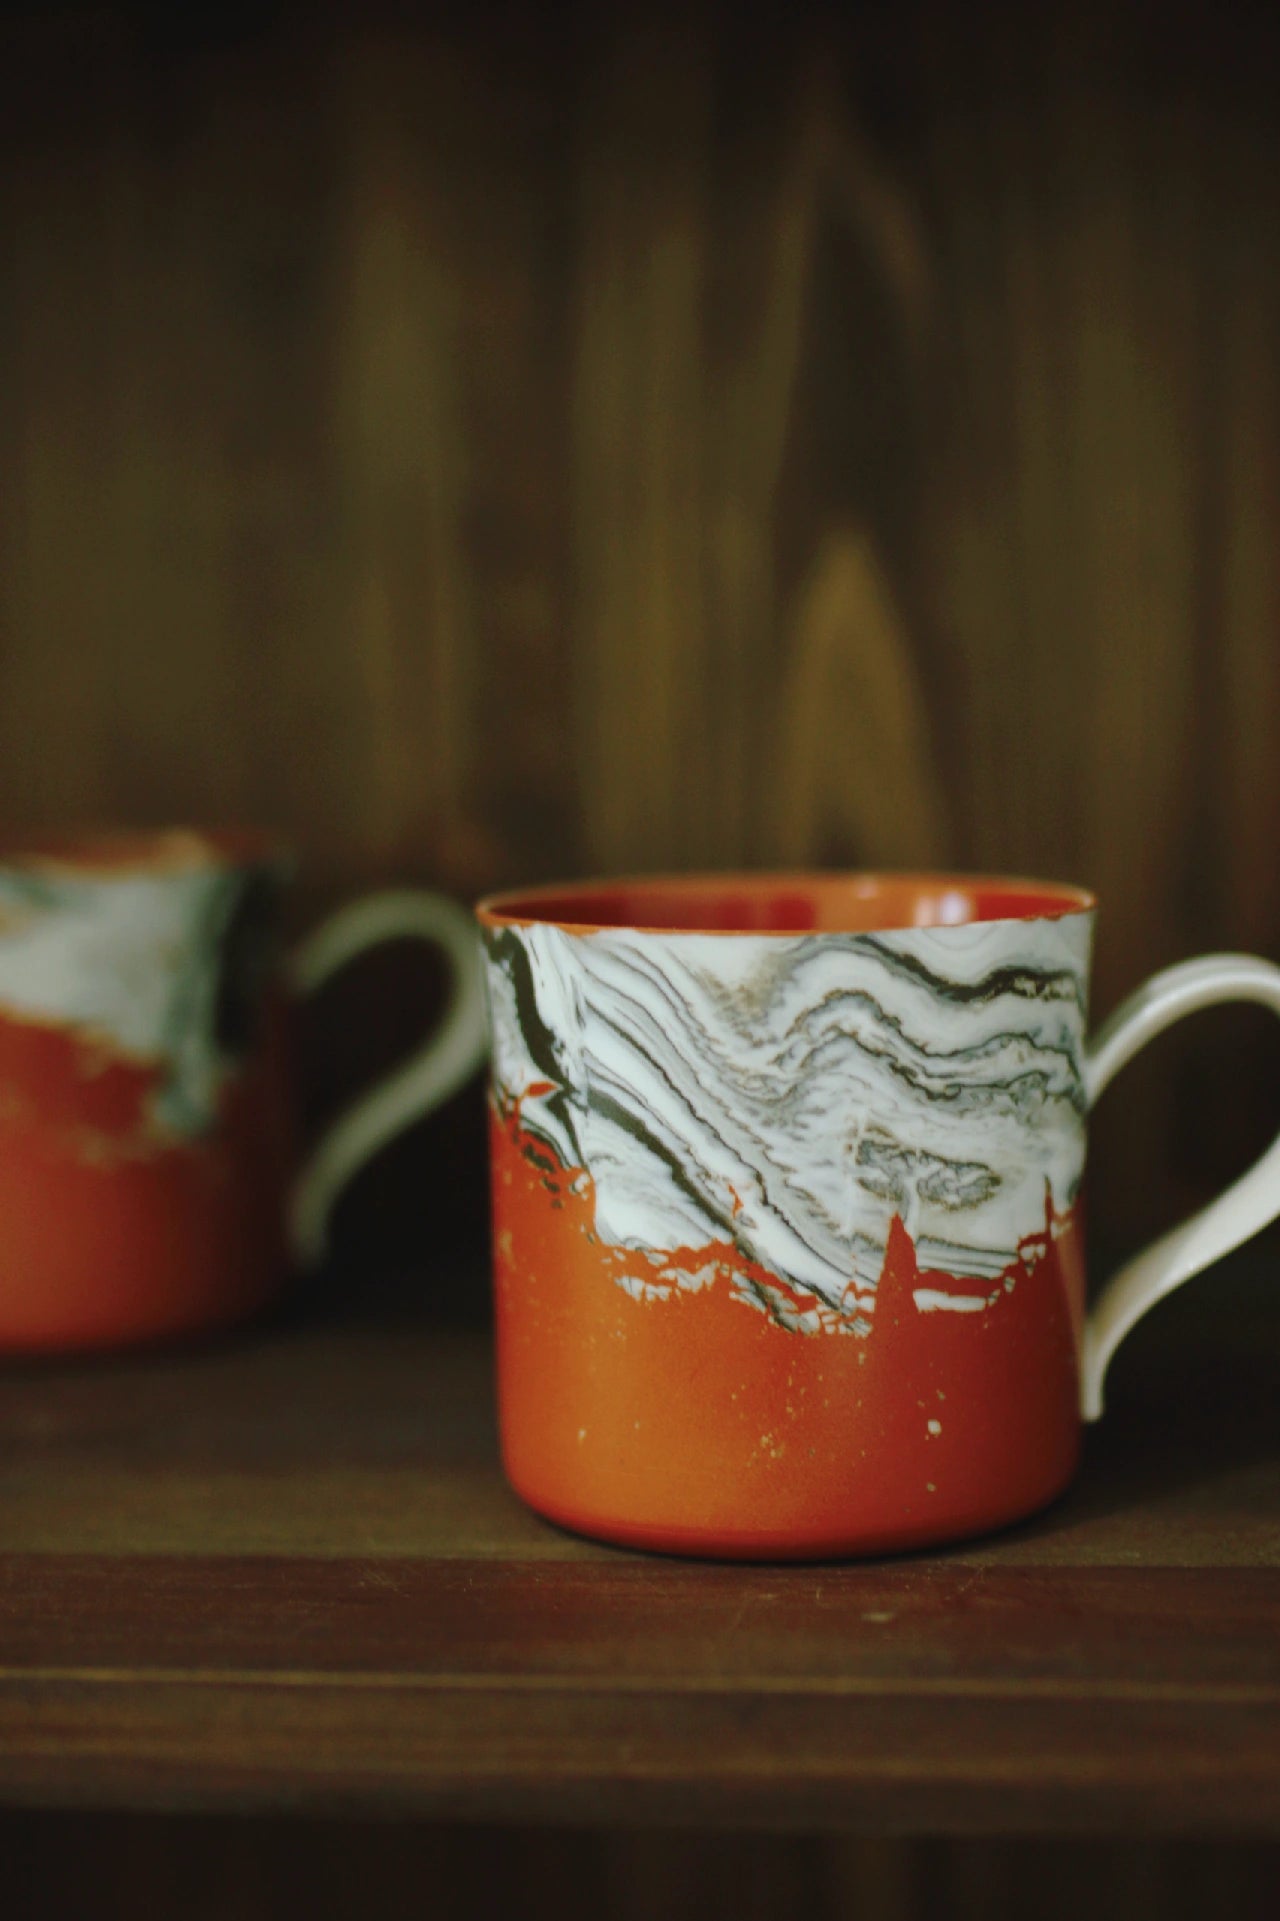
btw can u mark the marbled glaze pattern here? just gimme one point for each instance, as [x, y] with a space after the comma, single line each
[163, 968]
[792, 1095]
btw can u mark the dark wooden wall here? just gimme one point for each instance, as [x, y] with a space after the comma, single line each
[511, 444]
[490, 450]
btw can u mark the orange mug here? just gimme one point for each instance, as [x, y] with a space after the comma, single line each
[786, 1196]
[148, 1185]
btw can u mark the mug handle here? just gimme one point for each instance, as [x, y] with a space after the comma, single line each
[446, 1060]
[1247, 1205]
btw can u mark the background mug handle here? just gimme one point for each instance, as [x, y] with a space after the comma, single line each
[1249, 1204]
[444, 1062]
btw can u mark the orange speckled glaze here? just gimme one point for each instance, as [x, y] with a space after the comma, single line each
[675, 1414]
[109, 1230]
[145, 1139]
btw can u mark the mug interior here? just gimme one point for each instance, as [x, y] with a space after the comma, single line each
[851, 903]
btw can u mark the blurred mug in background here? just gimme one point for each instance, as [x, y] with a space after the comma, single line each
[149, 1184]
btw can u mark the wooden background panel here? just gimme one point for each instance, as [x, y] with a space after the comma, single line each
[487, 447]
[215, 1870]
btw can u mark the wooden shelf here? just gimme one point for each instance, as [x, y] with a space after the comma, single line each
[285, 1571]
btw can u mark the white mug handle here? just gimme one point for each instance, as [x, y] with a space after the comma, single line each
[446, 1060]
[1246, 1206]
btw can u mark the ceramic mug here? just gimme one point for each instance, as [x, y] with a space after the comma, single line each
[786, 1194]
[148, 1184]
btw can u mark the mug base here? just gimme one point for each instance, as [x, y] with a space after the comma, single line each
[800, 1543]
[159, 1325]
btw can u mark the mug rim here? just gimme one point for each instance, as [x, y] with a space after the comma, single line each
[105, 852]
[995, 898]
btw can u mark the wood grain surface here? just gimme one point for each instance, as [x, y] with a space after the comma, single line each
[491, 447]
[285, 1571]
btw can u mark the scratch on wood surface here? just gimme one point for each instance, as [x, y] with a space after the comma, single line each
[629, 1682]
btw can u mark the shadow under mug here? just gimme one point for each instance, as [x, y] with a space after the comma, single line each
[786, 1189]
[148, 1181]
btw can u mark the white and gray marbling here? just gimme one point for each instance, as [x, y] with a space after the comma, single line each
[164, 967]
[791, 1094]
